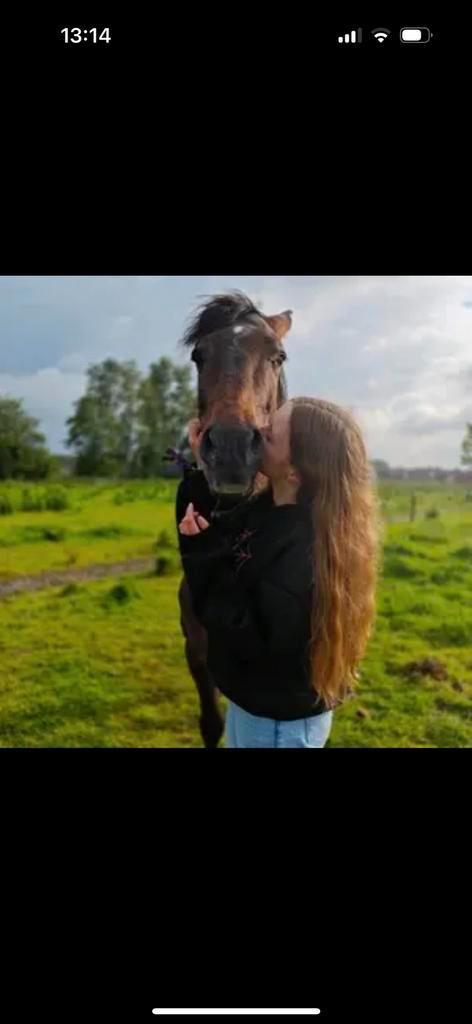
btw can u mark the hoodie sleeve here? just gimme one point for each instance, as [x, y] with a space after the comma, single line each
[207, 561]
[206, 556]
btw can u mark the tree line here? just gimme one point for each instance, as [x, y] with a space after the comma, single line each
[120, 427]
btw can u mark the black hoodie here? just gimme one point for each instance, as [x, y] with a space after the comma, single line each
[251, 582]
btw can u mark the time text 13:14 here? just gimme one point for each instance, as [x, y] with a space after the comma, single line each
[86, 35]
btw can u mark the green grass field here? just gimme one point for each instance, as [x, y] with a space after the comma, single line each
[101, 663]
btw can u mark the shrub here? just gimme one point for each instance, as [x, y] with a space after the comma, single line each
[446, 576]
[121, 593]
[430, 540]
[463, 553]
[398, 569]
[124, 496]
[164, 540]
[449, 634]
[164, 566]
[107, 531]
[54, 533]
[31, 501]
[431, 513]
[421, 608]
[70, 588]
[57, 499]
[6, 507]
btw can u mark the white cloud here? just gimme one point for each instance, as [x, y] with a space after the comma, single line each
[74, 362]
[397, 350]
[47, 395]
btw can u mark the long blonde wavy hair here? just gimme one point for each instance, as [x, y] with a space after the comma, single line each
[328, 452]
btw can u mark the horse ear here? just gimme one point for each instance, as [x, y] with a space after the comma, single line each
[281, 323]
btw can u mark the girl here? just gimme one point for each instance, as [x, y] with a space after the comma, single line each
[288, 606]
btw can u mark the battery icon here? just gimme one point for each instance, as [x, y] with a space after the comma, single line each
[415, 35]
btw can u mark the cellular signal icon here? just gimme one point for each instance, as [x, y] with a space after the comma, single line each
[355, 36]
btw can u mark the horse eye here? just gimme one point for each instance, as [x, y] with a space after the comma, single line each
[197, 358]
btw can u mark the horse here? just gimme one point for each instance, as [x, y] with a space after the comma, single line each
[239, 356]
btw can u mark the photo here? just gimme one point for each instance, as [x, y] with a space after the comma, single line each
[235, 512]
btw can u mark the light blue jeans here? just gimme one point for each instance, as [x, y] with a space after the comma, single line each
[245, 730]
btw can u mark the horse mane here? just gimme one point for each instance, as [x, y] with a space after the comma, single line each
[219, 312]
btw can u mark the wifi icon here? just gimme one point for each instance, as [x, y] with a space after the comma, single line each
[380, 34]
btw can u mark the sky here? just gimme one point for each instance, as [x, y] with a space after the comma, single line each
[396, 351]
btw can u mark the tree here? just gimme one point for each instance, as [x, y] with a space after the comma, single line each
[23, 454]
[466, 456]
[124, 422]
[166, 403]
[127, 419]
[86, 436]
[103, 427]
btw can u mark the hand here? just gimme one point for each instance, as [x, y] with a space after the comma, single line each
[194, 432]
[192, 522]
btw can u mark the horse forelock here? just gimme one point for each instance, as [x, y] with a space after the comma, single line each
[231, 315]
[220, 312]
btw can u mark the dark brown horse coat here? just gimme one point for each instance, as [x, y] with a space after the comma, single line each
[239, 355]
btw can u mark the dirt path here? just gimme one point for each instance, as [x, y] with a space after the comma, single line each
[89, 572]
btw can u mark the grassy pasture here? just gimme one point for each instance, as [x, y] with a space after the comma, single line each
[101, 663]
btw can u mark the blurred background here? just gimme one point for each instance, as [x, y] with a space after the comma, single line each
[93, 390]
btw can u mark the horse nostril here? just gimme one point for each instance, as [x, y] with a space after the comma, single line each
[256, 440]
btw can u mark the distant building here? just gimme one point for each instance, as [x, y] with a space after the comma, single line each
[382, 471]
